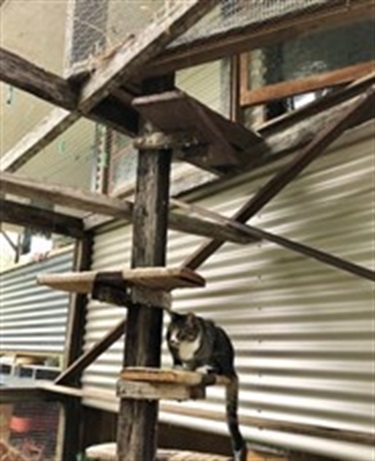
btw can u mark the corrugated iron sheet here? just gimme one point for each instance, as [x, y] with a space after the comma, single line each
[33, 317]
[303, 332]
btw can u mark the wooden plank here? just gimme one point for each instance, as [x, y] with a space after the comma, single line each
[88, 357]
[171, 376]
[263, 32]
[47, 131]
[65, 196]
[107, 452]
[314, 82]
[325, 103]
[102, 204]
[38, 218]
[9, 395]
[64, 391]
[156, 278]
[22, 74]
[159, 391]
[175, 112]
[331, 260]
[289, 172]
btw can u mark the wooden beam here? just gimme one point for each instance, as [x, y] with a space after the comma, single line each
[136, 51]
[153, 278]
[22, 74]
[74, 340]
[102, 204]
[33, 142]
[289, 172]
[314, 82]
[300, 248]
[137, 423]
[65, 196]
[325, 103]
[9, 395]
[257, 34]
[110, 74]
[38, 218]
[88, 357]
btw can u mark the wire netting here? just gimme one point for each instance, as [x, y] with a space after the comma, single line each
[29, 431]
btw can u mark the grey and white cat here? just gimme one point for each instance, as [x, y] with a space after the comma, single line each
[197, 344]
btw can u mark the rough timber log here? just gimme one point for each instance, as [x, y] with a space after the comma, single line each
[137, 422]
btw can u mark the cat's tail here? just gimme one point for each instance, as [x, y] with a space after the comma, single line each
[238, 442]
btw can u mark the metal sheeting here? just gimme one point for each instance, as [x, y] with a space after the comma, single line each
[33, 317]
[303, 332]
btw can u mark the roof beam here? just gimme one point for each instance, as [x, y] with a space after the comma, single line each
[28, 77]
[289, 172]
[38, 218]
[121, 209]
[260, 33]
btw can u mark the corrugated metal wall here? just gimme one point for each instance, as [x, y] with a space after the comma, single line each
[303, 332]
[33, 317]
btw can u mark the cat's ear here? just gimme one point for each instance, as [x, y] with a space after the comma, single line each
[190, 319]
[173, 315]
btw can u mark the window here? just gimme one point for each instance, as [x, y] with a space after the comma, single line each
[284, 76]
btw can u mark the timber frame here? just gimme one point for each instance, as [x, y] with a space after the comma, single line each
[105, 96]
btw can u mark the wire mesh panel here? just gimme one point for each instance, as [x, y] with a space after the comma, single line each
[237, 14]
[29, 431]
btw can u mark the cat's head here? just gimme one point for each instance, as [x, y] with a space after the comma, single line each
[183, 328]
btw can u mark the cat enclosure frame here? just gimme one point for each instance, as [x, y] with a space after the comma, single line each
[166, 123]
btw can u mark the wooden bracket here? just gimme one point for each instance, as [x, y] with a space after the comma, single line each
[158, 141]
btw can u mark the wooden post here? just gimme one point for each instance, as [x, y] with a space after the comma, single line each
[137, 438]
[73, 348]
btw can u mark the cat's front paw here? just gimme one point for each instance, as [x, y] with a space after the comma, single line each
[206, 369]
[178, 367]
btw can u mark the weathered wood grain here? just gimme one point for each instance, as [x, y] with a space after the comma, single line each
[38, 218]
[28, 77]
[102, 204]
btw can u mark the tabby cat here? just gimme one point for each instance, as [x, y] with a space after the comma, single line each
[197, 344]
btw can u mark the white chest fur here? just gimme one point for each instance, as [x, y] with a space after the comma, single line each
[187, 349]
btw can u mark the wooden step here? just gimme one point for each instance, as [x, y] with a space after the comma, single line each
[171, 376]
[156, 278]
[227, 143]
[107, 452]
[165, 384]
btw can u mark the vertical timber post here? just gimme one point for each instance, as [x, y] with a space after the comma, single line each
[137, 425]
[72, 420]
